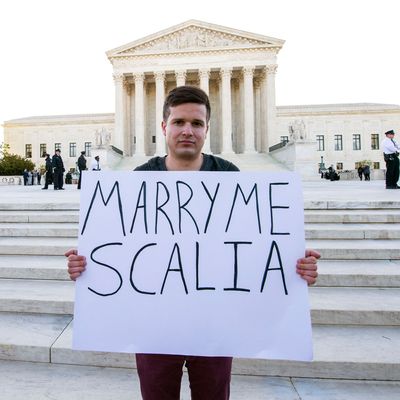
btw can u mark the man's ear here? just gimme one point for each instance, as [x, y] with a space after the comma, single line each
[163, 127]
[208, 127]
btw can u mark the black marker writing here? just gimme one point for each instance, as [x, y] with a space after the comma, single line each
[275, 247]
[107, 266]
[246, 201]
[236, 267]
[272, 207]
[179, 269]
[143, 205]
[133, 266]
[105, 202]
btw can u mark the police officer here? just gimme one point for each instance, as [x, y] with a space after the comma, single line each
[58, 166]
[391, 155]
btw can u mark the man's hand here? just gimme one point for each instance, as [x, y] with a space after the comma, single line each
[76, 263]
[307, 267]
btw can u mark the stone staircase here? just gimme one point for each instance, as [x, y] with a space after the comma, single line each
[355, 307]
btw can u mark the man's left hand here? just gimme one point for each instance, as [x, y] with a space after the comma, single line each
[307, 267]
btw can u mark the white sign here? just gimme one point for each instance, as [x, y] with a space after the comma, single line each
[195, 263]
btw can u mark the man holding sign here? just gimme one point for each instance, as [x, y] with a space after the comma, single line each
[186, 117]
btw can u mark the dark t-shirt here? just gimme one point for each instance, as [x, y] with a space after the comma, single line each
[210, 163]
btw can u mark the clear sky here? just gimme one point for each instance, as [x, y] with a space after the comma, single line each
[53, 51]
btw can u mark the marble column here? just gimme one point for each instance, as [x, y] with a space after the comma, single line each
[127, 107]
[160, 94]
[271, 105]
[226, 110]
[249, 137]
[139, 113]
[119, 133]
[180, 78]
[257, 107]
[204, 84]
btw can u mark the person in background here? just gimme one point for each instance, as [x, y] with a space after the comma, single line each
[58, 167]
[360, 170]
[49, 172]
[391, 151]
[95, 166]
[25, 175]
[366, 172]
[81, 166]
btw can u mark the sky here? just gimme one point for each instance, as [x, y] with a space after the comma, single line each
[53, 58]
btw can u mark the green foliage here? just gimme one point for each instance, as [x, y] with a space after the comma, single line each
[12, 164]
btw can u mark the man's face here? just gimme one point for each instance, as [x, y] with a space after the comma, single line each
[186, 130]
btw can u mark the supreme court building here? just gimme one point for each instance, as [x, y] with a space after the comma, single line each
[237, 69]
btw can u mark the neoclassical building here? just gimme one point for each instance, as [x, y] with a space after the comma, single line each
[237, 69]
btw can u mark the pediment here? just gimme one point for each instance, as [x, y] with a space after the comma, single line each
[194, 36]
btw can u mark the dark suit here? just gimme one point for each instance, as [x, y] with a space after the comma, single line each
[49, 173]
[81, 167]
[58, 167]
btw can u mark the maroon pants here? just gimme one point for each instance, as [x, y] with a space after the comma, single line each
[160, 376]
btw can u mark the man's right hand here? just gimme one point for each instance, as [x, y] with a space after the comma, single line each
[76, 263]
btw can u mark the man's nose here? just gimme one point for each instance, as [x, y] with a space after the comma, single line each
[187, 129]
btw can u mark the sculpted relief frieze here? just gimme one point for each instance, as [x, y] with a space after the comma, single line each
[193, 38]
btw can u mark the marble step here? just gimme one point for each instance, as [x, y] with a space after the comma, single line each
[340, 352]
[39, 204]
[36, 296]
[39, 216]
[95, 383]
[356, 249]
[352, 216]
[357, 306]
[354, 273]
[33, 267]
[358, 204]
[352, 231]
[36, 246]
[39, 229]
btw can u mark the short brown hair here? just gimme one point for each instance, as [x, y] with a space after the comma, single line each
[185, 94]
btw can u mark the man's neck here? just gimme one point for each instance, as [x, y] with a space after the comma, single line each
[174, 164]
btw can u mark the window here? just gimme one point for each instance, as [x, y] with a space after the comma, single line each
[376, 165]
[43, 150]
[338, 142]
[28, 151]
[57, 146]
[284, 139]
[88, 149]
[339, 166]
[374, 141]
[320, 143]
[153, 139]
[72, 149]
[356, 142]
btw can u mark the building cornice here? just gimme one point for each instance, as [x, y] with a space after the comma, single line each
[337, 109]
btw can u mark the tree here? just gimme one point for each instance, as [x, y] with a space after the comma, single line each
[13, 164]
